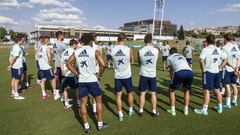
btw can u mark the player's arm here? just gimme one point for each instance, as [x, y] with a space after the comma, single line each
[101, 64]
[14, 58]
[202, 65]
[224, 62]
[49, 54]
[62, 67]
[131, 56]
[70, 64]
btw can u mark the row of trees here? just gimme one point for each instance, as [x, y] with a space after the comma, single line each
[182, 34]
[4, 32]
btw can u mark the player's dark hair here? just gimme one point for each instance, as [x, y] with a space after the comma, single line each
[210, 39]
[148, 38]
[87, 38]
[72, 42]
[41, 37]
[219, 43]
[59, 33]
[228, 37]
[46, 37]
[165, 42]
[122, 37]
[173, 50]
[18, 37]
[187, 43]
[110, 43]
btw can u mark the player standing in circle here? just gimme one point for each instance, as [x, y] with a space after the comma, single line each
[188, 52]
[37, 47]
[180, 73]
[108, 49]
[165, 53]
[16, 65]
[231, 70]
[86, 57]
[69, 80]
[147, 57]
[46, 71]
[210, 58]
[122, 59]
[58, 48]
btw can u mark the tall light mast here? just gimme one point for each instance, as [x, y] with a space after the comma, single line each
[159, 6]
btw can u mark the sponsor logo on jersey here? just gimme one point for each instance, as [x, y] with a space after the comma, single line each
[83, 54]
[119, 53]
[215, 52]
[149, 53]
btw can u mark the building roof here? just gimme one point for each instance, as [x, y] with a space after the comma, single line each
[148, 21]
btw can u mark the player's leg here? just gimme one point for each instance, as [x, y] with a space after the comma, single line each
[227, 81]
[66, 82]
[187, 85]
[141, 102]
[208, 84]
[96, 92]
[94, 105]
[118, 89]
[17, 75]
[235, 94]
[172, 99]
[78, 97]
[43, 88]
[127, 83]
[84, 114]
[25, 75]
[152, 83]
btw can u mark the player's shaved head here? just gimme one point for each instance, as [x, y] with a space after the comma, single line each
[148, 39]
[122, 37]
[211, 39]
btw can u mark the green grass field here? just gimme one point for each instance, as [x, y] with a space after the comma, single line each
[34, 116]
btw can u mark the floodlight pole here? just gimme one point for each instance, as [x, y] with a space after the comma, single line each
[159, 6]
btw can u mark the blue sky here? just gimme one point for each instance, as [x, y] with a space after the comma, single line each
[20, 14]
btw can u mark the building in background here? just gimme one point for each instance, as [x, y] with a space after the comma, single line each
[169, 30]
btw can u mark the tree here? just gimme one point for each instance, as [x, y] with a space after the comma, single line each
[3, 33]
[181, 35]
[12, 33]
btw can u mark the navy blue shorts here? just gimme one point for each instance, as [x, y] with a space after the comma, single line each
[24, 67]
[17, 73]
[229, 78]
[69, 82]
[93, 88]
[46, 74]
[189, 60]
[109, 57]
[184, 77]
[59, 74]
[211, 81]
[221, 74]
[164, 58]
[147, 83]
[126, 83]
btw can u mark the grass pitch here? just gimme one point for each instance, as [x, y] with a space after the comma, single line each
[34, 116]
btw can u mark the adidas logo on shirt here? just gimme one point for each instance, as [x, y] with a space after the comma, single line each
[215, 52]
[149, 53]
[234, 49]
[119, 53]
[83, 54]
[54, 46]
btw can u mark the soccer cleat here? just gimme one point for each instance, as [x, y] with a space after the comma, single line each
[218, 109]
[46, 96]
[68, 106]
[173, 113]
[104, 126]
[155, 115]
[57, 96]
[131, 113]
[225, 106]
[201, 112]
[120, 118]
[18, 97]
[185, 111]
[87, 130]
[140, 114]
